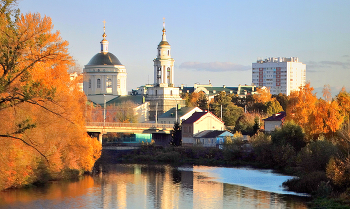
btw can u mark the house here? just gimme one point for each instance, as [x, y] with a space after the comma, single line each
[275, 121]
[180, 114]
[199, 121]
[211, 138]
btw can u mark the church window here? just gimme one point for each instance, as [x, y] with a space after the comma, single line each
[98, 83]
[171, 92]
[109, 83]
[156, 92]
[118, 83]
[168, 52]
[158, 52]
[89, 83]
[168, 69]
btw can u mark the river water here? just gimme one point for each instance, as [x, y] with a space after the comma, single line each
[161, 186]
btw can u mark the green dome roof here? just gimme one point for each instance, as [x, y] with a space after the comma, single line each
[104, 59]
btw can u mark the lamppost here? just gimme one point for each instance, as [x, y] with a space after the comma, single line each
[104, 111]
[175, 109]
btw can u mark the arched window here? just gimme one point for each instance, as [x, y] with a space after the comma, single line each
[168, 52]
[89, 83]
[98, 83]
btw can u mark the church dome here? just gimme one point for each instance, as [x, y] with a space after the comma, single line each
[163, 43]
[104, 59]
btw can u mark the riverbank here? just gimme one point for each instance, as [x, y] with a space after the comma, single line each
[279, 159]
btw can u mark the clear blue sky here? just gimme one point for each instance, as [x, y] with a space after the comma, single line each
[210, 40]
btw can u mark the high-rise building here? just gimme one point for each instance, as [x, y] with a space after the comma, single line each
[279, 74]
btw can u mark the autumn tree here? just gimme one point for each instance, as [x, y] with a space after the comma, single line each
[315, 116]
[301, 105]
[41, 110]
[262, 95]
[343, 99]
[124, 112]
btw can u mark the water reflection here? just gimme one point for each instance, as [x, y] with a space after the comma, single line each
[144, 186]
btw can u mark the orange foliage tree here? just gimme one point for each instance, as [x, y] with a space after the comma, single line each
[315, 116]
[42, 112]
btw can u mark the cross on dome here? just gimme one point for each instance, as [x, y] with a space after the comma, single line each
[104, 29]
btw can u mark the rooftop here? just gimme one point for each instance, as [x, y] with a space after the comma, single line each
[104, 59]
[276, 117]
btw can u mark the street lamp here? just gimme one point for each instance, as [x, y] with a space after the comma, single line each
[104, 110]
[175, 110]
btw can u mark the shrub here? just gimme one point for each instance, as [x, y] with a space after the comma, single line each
[316, 155]
[169, 157]
[338, 170]
[290, 133]
[308, 183]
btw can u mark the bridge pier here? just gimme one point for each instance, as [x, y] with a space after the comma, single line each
[100, 137]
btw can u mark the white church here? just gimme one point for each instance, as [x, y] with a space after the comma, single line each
[104, 75]
[105, 79]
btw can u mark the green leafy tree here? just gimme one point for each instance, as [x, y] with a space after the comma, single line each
[230, 112]
[282, 99]
[176, 139]
[273, 107]
[290, 133]
[202, 101]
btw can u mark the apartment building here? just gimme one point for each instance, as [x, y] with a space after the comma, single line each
[279, 74]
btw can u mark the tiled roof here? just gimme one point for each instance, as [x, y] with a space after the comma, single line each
[276, 117]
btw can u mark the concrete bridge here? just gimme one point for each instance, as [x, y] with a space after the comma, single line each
[146, 128]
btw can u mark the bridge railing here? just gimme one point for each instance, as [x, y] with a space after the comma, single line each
[130, 125]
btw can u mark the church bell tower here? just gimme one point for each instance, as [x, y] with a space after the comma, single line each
[164, 64]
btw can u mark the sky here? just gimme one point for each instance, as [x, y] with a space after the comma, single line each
[214, 41]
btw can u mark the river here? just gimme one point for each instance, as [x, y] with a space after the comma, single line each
[161, 186]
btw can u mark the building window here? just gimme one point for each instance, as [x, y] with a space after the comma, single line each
[109, 83]
[89, 83]
[118, 83]
[98, 83]
[168, 52]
